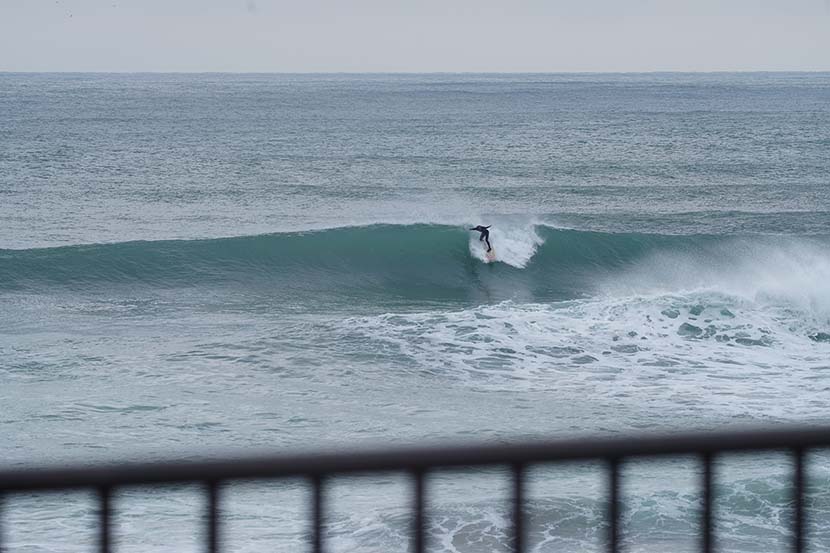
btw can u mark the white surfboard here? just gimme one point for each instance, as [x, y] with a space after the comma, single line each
[490, 256]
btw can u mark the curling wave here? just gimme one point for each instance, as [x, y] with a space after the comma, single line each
[444, 263]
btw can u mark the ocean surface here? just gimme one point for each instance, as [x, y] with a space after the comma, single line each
[199, 264]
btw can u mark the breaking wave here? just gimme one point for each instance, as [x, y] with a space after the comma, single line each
[440, 263]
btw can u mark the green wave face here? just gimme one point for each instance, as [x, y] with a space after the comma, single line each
[420, 263]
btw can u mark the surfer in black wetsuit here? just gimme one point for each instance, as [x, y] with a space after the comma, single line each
[485, 235]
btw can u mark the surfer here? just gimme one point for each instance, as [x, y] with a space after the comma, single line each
[485, 235]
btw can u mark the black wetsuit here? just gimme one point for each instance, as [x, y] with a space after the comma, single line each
[485, 235]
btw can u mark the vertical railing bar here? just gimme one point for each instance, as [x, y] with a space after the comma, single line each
[418, 522]
[706, 511]
[798, 497]
[104, 519]
[518, 508]
[613, 505]
[2, 505]
[317, 514]
[213, 490]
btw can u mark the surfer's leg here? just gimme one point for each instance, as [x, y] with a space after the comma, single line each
[489, 247]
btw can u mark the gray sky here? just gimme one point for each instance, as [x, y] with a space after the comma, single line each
[414, 35]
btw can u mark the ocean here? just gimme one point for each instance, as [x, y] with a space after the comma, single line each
[196, 264]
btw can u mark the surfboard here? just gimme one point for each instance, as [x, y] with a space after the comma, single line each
[490, 256]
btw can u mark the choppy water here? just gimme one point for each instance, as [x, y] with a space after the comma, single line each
[190, 264]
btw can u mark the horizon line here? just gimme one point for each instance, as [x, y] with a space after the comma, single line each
[586, 72]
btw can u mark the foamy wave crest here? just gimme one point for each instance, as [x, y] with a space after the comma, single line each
[515, 244]
[770, 271]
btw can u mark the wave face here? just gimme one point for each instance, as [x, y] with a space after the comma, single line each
[438, 263]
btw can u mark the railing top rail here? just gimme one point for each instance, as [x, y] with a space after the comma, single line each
[410, 458]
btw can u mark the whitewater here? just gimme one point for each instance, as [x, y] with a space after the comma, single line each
[191, 265]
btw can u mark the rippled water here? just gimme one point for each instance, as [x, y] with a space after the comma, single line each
[196, 263]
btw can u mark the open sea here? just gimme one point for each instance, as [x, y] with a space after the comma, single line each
[192, 265]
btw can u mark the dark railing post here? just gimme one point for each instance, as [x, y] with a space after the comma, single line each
[798, 499]
[418, 522]
[2, 504]
[706, 544]
[317, 514]
[104, 519]
[518, 508]
[614, 505]
[213, 517]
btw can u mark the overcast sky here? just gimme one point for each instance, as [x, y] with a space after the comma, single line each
[414, 35]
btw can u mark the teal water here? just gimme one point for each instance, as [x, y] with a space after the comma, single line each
[191, 264]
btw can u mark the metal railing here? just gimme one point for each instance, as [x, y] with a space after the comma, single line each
[418, 462]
